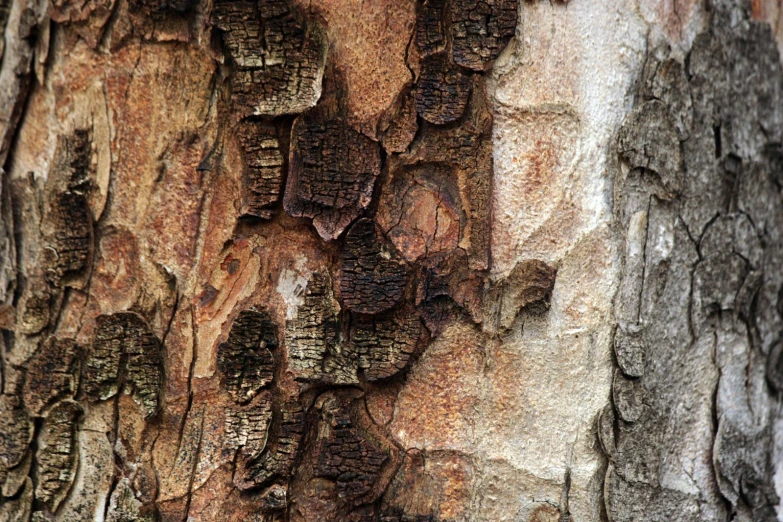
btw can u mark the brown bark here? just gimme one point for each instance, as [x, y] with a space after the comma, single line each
[256, 264]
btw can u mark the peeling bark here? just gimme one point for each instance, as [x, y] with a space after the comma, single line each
[345, 261]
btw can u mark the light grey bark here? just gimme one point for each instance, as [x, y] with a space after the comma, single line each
[691, 434]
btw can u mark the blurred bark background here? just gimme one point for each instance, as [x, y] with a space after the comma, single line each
[391, 260]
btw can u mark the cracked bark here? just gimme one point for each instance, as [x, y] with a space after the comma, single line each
[441, 260]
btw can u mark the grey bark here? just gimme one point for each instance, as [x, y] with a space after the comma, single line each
[691, 433]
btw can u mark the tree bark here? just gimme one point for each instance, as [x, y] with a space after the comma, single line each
[391, 261]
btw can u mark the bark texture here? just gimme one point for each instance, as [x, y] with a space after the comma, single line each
[690, 433]
[438, 260]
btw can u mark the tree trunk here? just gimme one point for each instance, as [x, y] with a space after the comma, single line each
[391, 261]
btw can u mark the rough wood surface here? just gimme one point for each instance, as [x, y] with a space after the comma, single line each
[428, 261]
[698, 307]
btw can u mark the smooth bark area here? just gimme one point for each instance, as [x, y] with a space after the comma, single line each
[391, 261]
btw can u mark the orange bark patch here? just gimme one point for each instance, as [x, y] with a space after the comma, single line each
[428, 221]
[233, 279]
[369, 42]
[116, 276]
[435, 408]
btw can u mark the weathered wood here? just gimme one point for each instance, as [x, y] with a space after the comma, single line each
[700, 321]
[340, 261]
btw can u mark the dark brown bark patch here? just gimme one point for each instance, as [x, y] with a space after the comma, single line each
[278, 459]
[67, 226]
[245, 358]
[430, 32]
[247, 426]
[312, 336]
[263, 176]
[384, 345]
[124, 352]
[162, 6]
[371, 281]
[52, 374]
[279, 55]
[333, 169]
[56, 458]
[480, 30]
[345, 455]
[442, 91]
